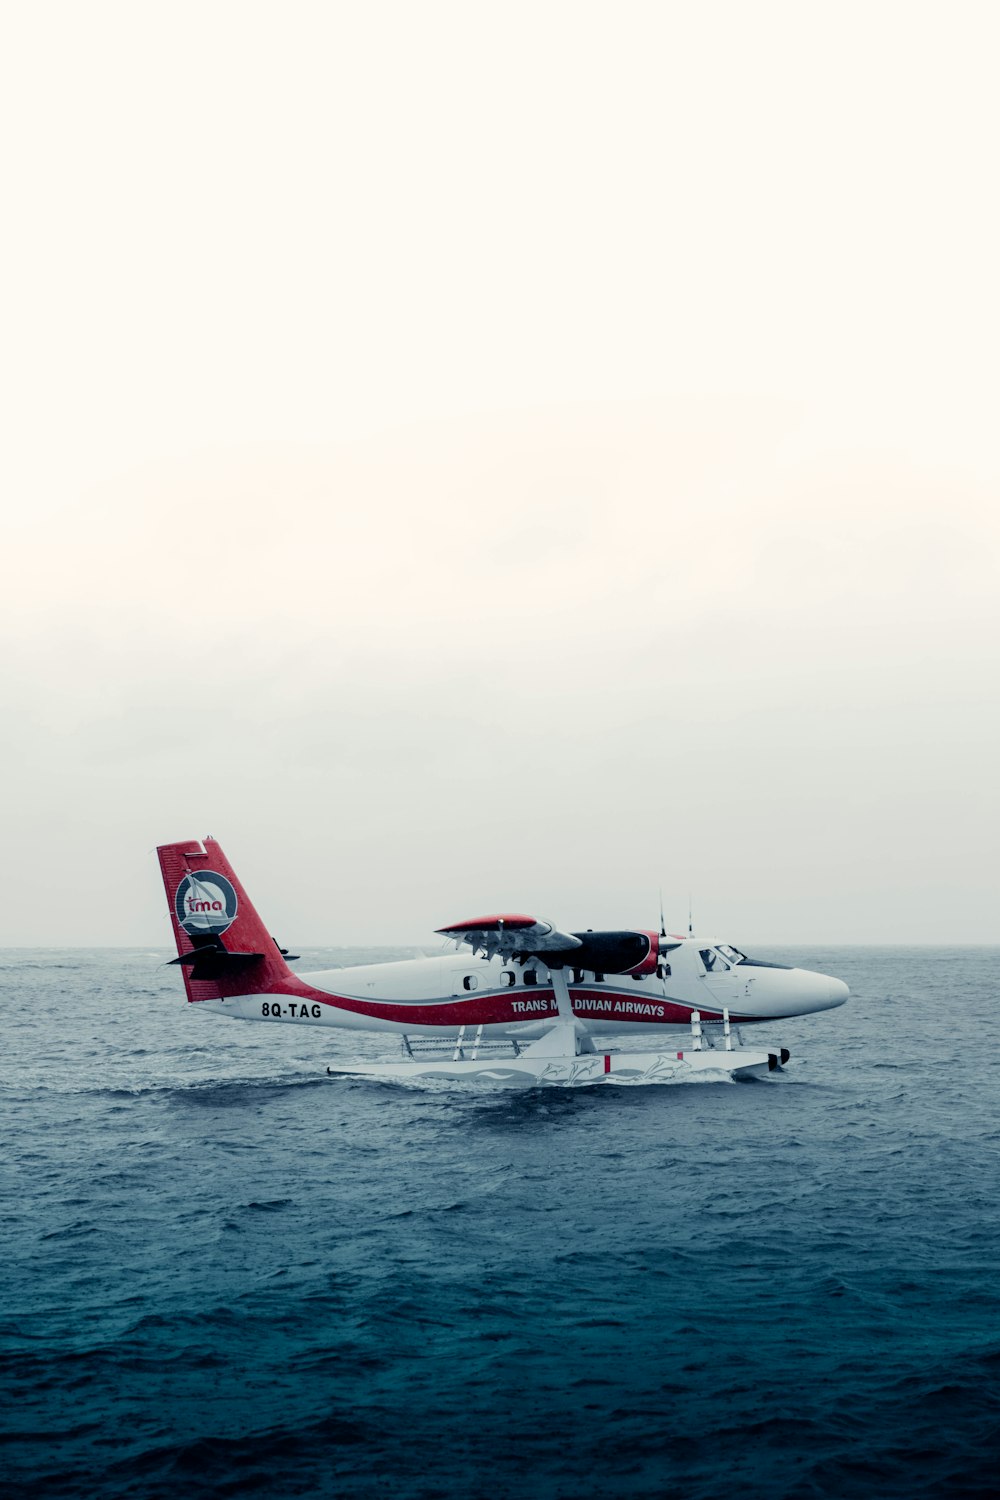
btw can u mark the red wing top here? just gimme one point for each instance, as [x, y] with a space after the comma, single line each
[510, 936]
[489, 924]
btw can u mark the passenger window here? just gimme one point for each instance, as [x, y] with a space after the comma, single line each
[598, 978]
[470, 982]
[531, 976]
[576, 976]
[638, 978]
[506, 978]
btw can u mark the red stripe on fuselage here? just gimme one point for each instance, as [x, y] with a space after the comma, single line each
[479, 1010]
[503, 1007]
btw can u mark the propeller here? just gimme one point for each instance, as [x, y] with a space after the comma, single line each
[664, 946]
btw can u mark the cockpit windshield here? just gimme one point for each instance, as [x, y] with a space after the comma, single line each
[722, 958]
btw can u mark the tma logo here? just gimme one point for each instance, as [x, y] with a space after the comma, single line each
[205, 903]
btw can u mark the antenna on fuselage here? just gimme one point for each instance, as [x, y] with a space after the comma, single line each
[663, 920]
[690, 917]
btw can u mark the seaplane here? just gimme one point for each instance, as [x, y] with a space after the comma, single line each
[511, 1000]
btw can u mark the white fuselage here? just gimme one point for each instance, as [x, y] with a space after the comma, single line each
[428, 995]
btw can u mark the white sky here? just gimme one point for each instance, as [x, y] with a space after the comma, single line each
[477, 457]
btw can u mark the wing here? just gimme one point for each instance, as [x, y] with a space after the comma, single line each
[512, 936]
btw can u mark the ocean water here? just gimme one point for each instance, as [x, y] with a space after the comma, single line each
[224, 1273]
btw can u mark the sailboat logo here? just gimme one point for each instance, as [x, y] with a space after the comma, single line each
[205, 903]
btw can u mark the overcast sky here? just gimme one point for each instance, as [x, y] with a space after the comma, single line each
[476, 457]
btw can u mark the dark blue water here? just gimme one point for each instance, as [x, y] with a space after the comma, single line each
[225, 1274]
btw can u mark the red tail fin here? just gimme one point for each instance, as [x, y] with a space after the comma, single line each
[223, 946]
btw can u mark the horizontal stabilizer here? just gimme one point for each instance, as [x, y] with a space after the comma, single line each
[213, 963]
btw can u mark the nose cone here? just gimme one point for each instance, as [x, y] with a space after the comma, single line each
[772, 994]
[838, 992]
[822, 992]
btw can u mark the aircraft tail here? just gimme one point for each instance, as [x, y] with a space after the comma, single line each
[223, 947]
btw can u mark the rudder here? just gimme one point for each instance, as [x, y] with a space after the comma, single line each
[223, 947]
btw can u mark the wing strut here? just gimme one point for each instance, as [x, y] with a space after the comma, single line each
[568, 1037]
[560, 988]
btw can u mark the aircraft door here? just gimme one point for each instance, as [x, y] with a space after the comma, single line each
[723, 980]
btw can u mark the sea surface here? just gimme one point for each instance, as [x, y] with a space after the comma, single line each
[224, 1274]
